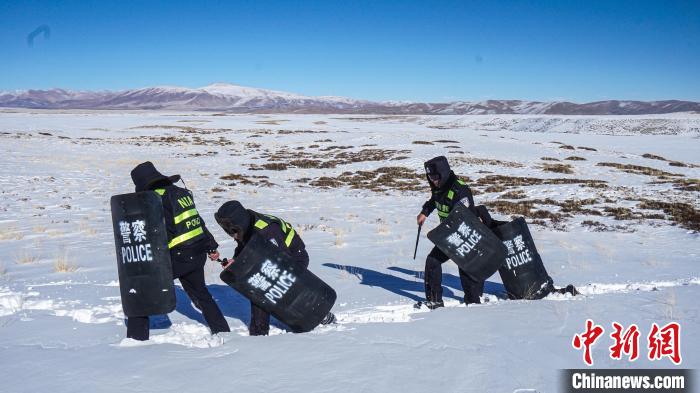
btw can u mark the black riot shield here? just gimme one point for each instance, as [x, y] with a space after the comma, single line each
[271, 280]
[523, 274]
[143, 258]
[469, 243]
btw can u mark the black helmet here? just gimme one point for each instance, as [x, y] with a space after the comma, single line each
[233, 218]
[145, 176]
[438, 169]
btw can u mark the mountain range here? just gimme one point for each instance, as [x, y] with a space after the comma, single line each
[226, 97]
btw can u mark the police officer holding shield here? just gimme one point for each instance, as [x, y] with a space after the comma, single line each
[189, 242]
[242, 224]
[447, 190]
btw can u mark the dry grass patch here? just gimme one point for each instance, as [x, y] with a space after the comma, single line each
[316, 164]
[684, 214]
[165, 127]
[532, 209]
[596, 226]
[623, 213]
[577, 206]
[26, 258]
[379, 180]
[522, 208]
[639, 170]
[55, 233]
[11, 233]
[514, 181]
[687, 184]
[383, 229]
[339, 235]
[87, 229]
[370, 155]
[236, 179]
[681, 184]
[558, 168]
[494, 188]
[274, 166]
[487, 161]
[270, 122]
[653, 157]
[525, 209]
[670, 162]
[63, 264]
[331, 157]
[515, 194]
[334, 147]
[289, 132]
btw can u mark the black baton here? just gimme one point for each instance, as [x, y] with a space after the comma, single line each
[417, 238]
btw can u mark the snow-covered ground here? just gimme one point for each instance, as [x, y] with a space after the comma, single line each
[61, 323]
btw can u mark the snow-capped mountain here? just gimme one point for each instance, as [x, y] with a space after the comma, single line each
[240, 99]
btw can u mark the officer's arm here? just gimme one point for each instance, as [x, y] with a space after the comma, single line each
[212, 245]
[428, 206]
[275, 233]
[239, 249]
[169, 222]
[297, 245]
[464, 194]
[296, 249]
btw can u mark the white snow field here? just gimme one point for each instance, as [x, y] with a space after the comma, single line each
[625, 233]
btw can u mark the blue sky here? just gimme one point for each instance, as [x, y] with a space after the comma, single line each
[381, 50]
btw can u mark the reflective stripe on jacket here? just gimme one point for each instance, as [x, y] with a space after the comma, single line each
[263, 220]
[188, 225]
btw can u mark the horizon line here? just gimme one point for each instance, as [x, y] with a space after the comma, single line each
[119, 90]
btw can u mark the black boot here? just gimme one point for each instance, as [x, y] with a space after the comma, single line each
[572, 290]
[137, 328]
[328, 319]
[430, 304]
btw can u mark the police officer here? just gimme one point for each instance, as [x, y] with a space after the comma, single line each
[242, 224]
[447, 190]
[189, 242]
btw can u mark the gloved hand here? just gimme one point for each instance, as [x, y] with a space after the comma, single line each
[225, 262]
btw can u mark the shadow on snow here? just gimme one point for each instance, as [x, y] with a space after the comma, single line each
[231, 303]
[408, 287]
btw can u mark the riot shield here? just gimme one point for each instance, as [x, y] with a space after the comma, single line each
[523, 273]
[272, 281]
[143, 258]
[469, 243]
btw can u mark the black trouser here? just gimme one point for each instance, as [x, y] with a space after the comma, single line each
[190, 271]
[433, 279]
[259, 318]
